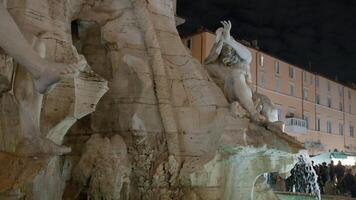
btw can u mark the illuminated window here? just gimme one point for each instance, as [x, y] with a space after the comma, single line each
[260, 60]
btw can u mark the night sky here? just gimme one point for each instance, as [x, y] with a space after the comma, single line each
[319, 35]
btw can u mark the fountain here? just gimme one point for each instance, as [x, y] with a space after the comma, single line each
[303, 177]
[140, 115]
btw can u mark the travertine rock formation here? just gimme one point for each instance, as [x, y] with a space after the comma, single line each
[162, 107]
[104, 168]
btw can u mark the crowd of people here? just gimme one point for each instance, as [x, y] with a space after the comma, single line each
[332, 180]
[336, 179]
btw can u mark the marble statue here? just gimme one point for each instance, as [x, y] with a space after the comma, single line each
[111, 82]
[236, 75]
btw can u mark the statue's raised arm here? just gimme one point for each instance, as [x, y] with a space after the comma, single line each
[223, 37]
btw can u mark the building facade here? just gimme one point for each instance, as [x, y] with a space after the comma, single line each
[318, 111]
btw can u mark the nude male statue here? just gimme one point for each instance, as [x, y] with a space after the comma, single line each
[236, 73]
[237, 76]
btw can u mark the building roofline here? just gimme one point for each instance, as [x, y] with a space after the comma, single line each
[259, 50]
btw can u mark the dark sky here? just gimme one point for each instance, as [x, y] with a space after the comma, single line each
[319, 32]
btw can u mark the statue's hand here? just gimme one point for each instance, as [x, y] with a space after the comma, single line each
[227, 28]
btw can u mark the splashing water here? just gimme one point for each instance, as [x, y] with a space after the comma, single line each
[304, 178]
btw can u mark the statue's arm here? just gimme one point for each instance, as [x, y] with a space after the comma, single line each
[214, 53]
[14, 43]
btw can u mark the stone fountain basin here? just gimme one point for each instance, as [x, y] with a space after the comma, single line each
[299, 196]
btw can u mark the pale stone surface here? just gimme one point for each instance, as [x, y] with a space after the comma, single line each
[34, 45]
[265, 106]
[104, 168]
[164, 112]
[234, 171]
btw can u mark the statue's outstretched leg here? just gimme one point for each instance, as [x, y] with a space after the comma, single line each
[44, 73]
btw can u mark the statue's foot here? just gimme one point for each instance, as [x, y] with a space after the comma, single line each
[56, 72]
[41, 146]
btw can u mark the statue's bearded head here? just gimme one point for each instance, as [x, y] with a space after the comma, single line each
[229, 56]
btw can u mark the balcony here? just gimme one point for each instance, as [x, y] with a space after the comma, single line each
[296, 126]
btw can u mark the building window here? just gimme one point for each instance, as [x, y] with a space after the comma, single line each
[291, 112]
[190, 44]
[329, 86]
[261, 60]
[306, 118]
[349, 94]
[317, 98]
[351, 131]
[341, 129]
[350, 108]
[291, 89]
[318, 123]
[305, 94]
[341, 106]
[341, 91]
[276, 67]
[311, 79]
[328, 126]
[291, 72]
[305, 77]
[278, 85]
[316, 81]
[263, 80]
[280, 112]
[329, 102]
